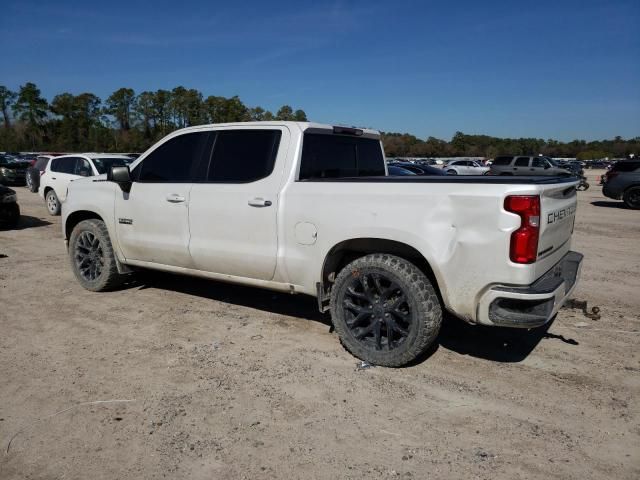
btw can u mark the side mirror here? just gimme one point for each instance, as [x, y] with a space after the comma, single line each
[121, 176]
[546, 166]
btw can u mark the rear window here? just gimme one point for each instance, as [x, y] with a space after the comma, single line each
[626, 166]
[502, 160]
[41, 163]
[337, 156]
[522, 162]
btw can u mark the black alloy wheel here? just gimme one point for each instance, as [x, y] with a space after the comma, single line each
[89, 256]
[378, 314]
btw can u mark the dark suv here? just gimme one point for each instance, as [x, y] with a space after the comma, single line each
[623, 182]
[526, 165]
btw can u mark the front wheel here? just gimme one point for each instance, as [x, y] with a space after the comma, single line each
[631, 198]
[92, 258]
[385, 310]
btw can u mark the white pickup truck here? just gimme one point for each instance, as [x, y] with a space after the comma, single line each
[309, 208]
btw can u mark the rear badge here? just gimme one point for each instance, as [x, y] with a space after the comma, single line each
[125, 221]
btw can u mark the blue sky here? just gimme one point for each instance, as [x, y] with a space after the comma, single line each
[550, 69]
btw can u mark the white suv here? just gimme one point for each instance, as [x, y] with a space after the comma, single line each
[465, 167]
[60, 171]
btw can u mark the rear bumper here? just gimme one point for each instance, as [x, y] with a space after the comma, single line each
[531, 305]
[609, 192]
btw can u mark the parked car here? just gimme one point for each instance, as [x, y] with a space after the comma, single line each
[61, 171]
[37, 169]
[623, 182]
[465, 167]
[396, 171]
[526, 165]
[13, 171]
[418, 169]
[9, 209]
[308, 208]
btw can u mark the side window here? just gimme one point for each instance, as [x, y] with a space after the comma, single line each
[502, 160]
[173, 161]
[242, 156]
[522, 162]
[539, 162]
[82, 168]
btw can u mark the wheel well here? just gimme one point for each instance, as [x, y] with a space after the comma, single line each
[346, 252]
[77, 217]
[46, 190]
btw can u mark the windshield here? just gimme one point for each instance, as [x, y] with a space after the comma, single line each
[552, 161]
[103, 165]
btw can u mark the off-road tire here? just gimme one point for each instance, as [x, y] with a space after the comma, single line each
[421, 300]
[631, 197]
[52, 202]
[108, 278]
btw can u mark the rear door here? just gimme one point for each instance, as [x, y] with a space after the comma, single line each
[62, 172]
[233, 209]
[152, 220]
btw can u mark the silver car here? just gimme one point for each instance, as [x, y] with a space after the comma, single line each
[526, 165]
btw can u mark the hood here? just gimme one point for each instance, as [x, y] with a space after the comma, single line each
[15, 165]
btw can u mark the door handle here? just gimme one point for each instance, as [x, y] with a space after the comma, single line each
[175, 198]
[259, 202]
[53, 178]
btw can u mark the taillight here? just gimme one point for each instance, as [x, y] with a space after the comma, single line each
[524, 241]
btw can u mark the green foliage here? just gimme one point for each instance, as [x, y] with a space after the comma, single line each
[405, 145]
[120, 104]
[7, 98]
[285, 113]
[593, 155]
[128, 123]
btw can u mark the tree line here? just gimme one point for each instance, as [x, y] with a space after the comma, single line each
[124, 122]
[463, 145]
[130, 122]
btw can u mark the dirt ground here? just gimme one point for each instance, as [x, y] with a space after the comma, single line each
[204, 380]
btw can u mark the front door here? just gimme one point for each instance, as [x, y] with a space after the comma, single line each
[233, 212]
[152, 220]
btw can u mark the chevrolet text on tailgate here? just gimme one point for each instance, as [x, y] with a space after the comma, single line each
[309, 208]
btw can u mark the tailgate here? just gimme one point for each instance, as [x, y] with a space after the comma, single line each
[557, 216]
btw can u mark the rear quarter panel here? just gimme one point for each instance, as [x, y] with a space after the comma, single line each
[462, 230]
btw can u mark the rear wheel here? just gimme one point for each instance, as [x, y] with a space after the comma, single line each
[451, 172]
[385, 310]
[631, 197]
[30, 183]
[53, 204]
[92, 258]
